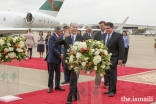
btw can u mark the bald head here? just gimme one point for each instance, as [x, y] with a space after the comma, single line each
[73, 23]
[73, 28]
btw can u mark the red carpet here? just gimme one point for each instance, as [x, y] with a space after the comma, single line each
[127, 89]
[39, 63]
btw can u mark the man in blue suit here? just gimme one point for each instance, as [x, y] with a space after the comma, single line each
[53, 59]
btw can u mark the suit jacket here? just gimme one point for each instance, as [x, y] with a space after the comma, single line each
[88, 37]
[115, 46]
[66, 42]
[98, 36]
[54, 50]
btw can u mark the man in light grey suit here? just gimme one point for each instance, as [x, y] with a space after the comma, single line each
[89, 34]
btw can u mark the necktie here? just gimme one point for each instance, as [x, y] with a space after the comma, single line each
[108, 38]
[89, 35]
[72, 40]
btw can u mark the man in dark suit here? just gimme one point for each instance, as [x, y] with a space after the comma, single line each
[66, 73]
[98, 36]
[68, 39]
[89, 34]
[115, 44]
[53, 59]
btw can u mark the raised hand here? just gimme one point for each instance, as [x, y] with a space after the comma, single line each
[66, 33]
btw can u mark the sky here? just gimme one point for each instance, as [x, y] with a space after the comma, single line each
[140, 12]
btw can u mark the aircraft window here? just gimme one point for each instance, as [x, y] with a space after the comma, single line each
[4, 19]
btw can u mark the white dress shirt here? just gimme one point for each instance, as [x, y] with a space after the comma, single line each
[107, 37]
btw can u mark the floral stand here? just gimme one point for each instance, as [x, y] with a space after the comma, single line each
[11, 48]
[9, 82]
[88, 92]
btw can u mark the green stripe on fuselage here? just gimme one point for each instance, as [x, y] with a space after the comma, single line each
[48, 6]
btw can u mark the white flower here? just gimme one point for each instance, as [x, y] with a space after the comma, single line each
[8, 44]
[76, 68]
[19, 50]
[97, 52]
[11, 48]
[86, 59]
[66, 61]
[21, 44]
[78, 55]
[95, 67]
[82, 45]
[71, 58]
[98, 43]
[6, 49]
[93, 50]
[14, 39]
[105, 52]
[97, 59]
[1, 42]
[88, 72]
[101, 75]
[12, 55]
[103, 66]
[76, 43]
[74, 48]
[83, 64]
[6, 56]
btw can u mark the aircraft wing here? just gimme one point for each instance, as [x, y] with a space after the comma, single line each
[122, 25]
[23, 30]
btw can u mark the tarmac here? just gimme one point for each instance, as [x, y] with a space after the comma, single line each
[141, 54]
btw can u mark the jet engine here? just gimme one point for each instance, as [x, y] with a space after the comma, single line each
[38, 19]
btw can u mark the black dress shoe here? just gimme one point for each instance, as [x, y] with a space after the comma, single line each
[68, 102]
[111, 94]
[106, 92]
[106, 87]
[50, 90]
[59, 88]
[75, 98]
[64, 82]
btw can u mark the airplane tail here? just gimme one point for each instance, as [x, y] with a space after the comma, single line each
[51, 7]
[123, 23]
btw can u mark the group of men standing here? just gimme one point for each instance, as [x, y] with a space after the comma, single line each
[114, 42]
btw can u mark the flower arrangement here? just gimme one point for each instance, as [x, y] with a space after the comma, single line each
[89, 55]
[12, 48]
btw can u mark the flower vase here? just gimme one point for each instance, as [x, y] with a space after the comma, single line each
[9, 82]
[89, 93]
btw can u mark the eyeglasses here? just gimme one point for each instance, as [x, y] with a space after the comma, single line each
[107, 28]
